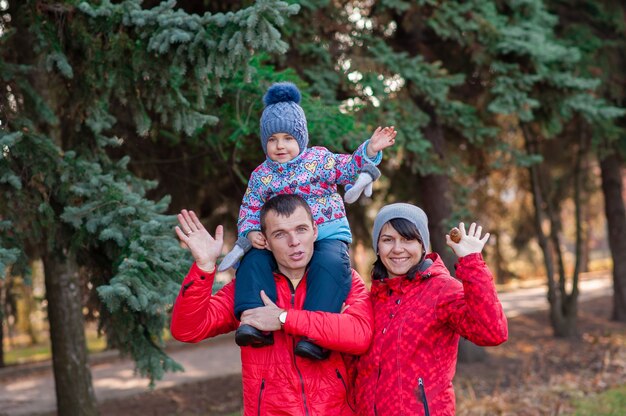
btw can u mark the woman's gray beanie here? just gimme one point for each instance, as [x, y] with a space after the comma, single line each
[410, 213]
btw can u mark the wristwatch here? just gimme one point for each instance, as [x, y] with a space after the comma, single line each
[282, 317]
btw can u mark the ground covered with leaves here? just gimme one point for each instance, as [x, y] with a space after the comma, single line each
[533, 373]
[536, 374]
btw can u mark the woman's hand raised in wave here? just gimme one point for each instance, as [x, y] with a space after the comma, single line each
[470, 241]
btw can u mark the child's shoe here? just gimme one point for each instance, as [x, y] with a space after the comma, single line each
[247, 335]
[307, 349]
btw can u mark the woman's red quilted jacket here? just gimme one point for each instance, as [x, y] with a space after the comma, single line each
[417, 326]
[275, 381]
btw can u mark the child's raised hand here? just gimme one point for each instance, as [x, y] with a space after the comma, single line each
[381, 139]
[257, 239]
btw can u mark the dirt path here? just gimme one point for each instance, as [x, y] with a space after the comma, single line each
[34, 393]
[523, 301]
[216, 359]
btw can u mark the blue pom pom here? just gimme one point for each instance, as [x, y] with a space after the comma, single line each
[281, 92]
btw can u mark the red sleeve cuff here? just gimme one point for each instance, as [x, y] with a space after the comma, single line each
[291, 323]
[471, 259]
[196, 273]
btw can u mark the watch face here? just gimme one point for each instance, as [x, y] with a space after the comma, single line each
[282, 317]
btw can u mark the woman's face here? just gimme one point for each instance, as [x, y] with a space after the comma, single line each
[396, 252]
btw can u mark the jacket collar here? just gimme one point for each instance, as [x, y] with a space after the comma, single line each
[383, 288]
[277, 166]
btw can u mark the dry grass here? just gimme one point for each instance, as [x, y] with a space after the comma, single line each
[537, 374]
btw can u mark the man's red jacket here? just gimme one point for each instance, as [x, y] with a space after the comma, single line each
[418, 321]
[275, 381]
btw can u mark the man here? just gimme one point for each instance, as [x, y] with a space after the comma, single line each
[275, 380]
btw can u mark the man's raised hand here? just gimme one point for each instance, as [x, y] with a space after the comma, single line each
[204, 248]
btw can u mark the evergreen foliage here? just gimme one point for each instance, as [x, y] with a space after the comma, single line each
[458, 64]
[89, 83]
[460, 80]
[599, 32]
[79, 78]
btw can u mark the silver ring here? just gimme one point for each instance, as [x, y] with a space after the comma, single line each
[189, 233]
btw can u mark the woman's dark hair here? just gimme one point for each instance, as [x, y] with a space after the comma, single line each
[407, 230]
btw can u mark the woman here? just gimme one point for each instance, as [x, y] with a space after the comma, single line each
[419, 313]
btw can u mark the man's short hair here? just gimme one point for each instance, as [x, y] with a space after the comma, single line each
[284, 205]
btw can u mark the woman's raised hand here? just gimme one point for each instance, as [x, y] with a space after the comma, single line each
[470, 242]
[204, 248]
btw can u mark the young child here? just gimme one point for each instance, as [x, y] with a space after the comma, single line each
[313, 173]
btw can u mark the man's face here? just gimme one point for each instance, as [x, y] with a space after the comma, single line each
[291, 240]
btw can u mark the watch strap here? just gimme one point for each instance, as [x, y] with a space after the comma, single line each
[282, 318]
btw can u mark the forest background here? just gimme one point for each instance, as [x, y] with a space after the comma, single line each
[114, 115]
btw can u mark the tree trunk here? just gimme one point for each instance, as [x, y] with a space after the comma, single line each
[30, 304]
[435, 191]
[612, 188]
[72, 376]
[2, 297]
[563, 306]
[503, 274]
[25, 308]
[542, 239]
[586, 248]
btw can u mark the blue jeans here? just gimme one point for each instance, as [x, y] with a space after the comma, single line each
[328, 282]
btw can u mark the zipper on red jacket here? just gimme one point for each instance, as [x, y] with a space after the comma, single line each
[376, 388]
[261, 395]
[186, 286]
[291, 289]
[421, 395]
[345, 386]
[295, 362]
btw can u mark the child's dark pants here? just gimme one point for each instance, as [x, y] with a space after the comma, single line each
[329, 278]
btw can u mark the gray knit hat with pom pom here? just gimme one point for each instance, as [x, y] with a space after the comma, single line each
[283, 114]
[408, 212]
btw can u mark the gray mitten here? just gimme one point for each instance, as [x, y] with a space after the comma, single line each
[242, 246]
[369, 173]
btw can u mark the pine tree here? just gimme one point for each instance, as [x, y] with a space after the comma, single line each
[80, 79]
[446, 74]
[599, 30]
[558, 104]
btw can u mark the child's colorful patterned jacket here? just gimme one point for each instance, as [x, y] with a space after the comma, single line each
[314, 175]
